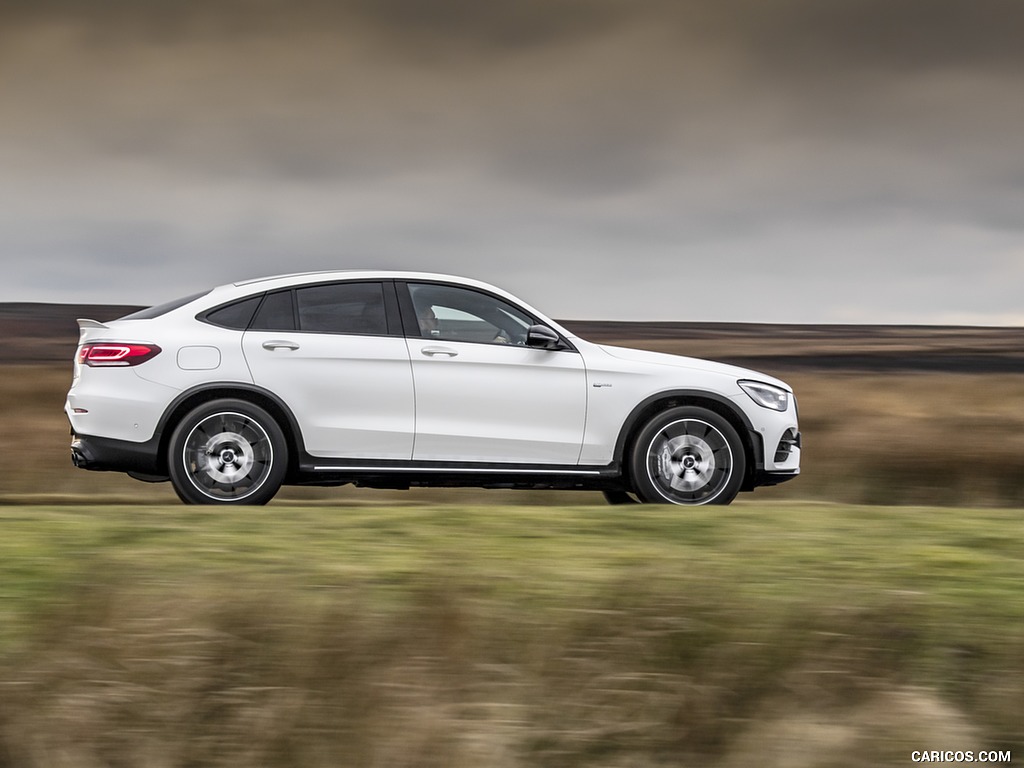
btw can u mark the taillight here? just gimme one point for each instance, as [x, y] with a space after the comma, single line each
[113, 354]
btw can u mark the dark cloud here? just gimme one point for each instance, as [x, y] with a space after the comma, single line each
[798, 37]
[807, 39]
[442, 30]
[439, 29]
[639, 143]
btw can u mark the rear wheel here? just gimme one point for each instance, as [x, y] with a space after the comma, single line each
[227, 452]
[689, 456]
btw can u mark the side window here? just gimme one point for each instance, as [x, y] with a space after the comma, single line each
[236, 316]
[275, 313]
[356, 308]
[460, 314]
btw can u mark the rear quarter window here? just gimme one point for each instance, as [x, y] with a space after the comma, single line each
[237, 315]
[275, 313]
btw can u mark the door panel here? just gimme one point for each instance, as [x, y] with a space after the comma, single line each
[481, 393]
[352, 395]
[347, 382]
[497, 403]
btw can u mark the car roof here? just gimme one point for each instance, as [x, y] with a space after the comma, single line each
[355, 274]
[238, 289]
[299, 278]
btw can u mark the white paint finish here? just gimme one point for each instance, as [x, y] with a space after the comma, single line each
[198, 358]
[497, 402]
[352, 395]
[176, 333]
[628, 377]
[119, 404]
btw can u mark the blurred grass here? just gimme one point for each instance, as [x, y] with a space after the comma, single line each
[924, 438]
[457, 635]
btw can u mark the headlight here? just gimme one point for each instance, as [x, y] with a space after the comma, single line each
[766, 395]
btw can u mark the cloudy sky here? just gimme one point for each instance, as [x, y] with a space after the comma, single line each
[720, 160]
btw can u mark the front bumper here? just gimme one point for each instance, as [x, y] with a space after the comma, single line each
[763, 478]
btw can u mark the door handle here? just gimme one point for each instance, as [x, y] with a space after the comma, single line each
[278, 344]
[435, 351]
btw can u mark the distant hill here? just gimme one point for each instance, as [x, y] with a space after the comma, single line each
[770, 347]
[48, 333]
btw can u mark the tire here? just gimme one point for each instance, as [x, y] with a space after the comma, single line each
[227, 452]
[688, 456]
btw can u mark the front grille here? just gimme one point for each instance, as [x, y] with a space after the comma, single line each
[790, 440]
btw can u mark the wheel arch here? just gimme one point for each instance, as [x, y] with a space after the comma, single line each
[205, 393]
[753, 446]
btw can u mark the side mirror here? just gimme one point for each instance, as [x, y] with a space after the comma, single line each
[542, 337]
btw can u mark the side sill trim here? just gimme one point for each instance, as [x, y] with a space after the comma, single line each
[478, 470]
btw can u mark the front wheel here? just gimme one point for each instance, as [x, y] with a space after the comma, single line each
[690, 456]
[227, 452]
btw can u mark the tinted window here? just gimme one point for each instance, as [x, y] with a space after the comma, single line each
[162, 309]
[275, 313]
[461, 314]
[342, 308]
[236, 316]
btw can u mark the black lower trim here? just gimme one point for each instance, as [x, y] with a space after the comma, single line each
[762, 479]
[103, 454]
[405, 474]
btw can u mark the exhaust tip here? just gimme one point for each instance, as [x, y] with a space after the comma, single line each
[78, 456]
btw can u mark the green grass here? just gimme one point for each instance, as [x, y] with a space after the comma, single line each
[518, 636]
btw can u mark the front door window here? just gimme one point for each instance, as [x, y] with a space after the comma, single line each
[447, 313]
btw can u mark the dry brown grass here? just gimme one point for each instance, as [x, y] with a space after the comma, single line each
[910, 438]
[949, 439]
[902, 438]
[35, 440]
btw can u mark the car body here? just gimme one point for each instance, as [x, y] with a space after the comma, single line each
[398, 379]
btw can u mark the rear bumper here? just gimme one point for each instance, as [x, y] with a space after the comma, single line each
[104, 454]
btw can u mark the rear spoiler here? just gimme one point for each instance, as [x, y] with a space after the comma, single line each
[84, 323]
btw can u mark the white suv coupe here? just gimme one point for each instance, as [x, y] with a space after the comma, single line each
[395, 379]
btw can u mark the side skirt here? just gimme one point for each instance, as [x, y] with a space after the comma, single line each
[406, 474]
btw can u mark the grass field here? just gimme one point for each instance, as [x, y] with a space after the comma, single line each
[813, 624]
[782, 634]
